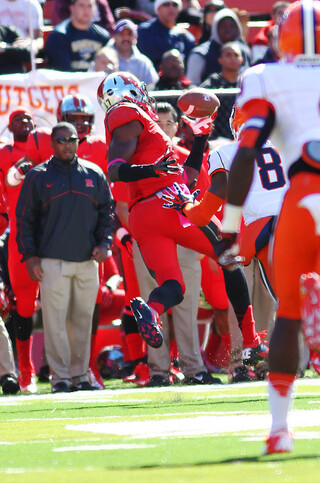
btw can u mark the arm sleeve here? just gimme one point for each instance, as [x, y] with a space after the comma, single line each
[27, 213]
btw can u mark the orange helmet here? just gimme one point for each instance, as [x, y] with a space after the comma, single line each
[299, 30]
[236, 122]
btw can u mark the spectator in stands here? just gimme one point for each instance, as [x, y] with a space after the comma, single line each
[160, 35]
[204, 59]
[15, 13]
[14, 51]
[130, 58]
[172, 72]
[260, 42]
[272, 53]
[209, 11]
[102, 14]
[230, 59]
[73, 43]
[106, 60]
[172, 75]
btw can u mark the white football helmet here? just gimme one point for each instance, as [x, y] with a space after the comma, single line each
[125, 87]
[79, 111]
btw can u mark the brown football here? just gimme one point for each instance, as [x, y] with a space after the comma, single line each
[198, 102]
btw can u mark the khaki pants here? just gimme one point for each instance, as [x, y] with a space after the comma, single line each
[68, 293]
[184, 316]
[6, 354]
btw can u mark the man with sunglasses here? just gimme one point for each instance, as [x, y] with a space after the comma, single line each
[158, 35]
[64, 229]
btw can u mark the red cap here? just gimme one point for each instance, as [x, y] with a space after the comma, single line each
[19, 110]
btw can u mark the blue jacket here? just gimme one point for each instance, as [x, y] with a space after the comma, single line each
[154, 39]
[71, 49]
[64, 210]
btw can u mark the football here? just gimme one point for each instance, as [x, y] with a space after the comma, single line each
[198, 102]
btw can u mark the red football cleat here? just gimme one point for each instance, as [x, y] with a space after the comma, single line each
[310, 309]
[279, 442]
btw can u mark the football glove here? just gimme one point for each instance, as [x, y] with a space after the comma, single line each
[201, 125]
[24, 168]
[176, 198]
[227, 250]
[167, 164]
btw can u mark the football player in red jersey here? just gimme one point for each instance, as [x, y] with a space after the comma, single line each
[140, 154]
[21, 123]
[79, 111]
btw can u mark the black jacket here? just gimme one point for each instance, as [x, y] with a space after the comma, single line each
[64, 210]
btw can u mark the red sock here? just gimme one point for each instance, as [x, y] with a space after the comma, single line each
[281, 382]
[24, 349]
[247, 325]
[174, 353]
[156, 306]
[136, 346]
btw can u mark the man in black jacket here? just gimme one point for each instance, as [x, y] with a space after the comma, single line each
[14, 51]
[64, 229]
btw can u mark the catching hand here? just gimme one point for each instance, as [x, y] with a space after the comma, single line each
[176, 198]
[167, 164]
[227, 250]
[201, 125]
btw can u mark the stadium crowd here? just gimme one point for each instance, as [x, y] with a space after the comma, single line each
[217, 315]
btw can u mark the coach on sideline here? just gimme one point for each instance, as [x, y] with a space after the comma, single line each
[64, 229]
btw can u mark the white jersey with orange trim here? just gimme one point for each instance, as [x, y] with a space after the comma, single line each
[293, 89]
[269, 181]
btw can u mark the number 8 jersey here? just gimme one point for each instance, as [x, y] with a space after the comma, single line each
[269, 182]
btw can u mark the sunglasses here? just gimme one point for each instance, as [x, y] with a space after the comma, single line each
[71, 139]
[168, 4]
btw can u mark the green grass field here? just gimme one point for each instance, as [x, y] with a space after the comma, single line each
[175, 434]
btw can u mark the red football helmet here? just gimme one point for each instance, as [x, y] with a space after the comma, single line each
[79, 111]
[299, 30]
[125, 87]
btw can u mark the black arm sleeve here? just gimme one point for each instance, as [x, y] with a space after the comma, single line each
[194, 160]
[134, 172]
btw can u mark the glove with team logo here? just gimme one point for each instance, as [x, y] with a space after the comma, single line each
[167, 164]
[201, 125]
[228, 250]
[23, 168]
[176, 198]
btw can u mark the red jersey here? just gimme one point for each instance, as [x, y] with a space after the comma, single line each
[152, 144]
[9, 155]
[92, 148]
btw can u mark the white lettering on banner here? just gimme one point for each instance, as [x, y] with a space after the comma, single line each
[41, 92]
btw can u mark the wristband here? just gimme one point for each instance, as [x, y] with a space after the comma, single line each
[232, 215]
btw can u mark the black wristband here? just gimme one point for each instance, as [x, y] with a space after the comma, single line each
[194, 160]
[128, 172]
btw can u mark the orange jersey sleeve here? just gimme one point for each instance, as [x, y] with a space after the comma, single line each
[259, 118]
[122, 114]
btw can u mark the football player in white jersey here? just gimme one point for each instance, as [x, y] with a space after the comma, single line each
[281, 102]
[261, 207]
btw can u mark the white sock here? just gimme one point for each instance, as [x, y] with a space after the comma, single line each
[279, 407]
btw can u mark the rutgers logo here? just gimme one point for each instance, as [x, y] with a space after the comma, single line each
[89, 183]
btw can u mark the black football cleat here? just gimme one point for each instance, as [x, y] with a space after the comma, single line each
[147, 320]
